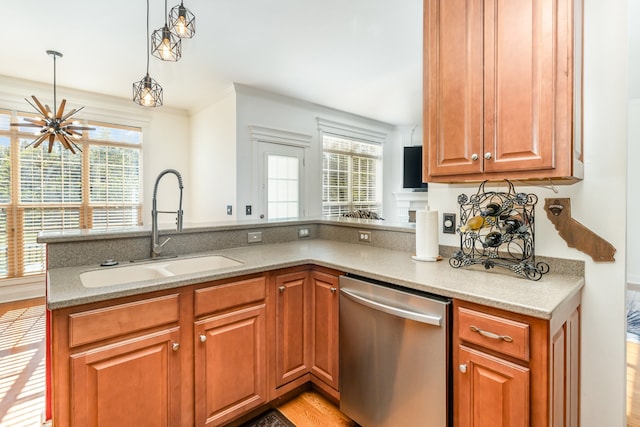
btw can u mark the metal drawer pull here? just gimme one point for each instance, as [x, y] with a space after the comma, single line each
[333, 290]
[282, 288]
[203, 337]
[175, 346]
[505, 338]
[463, 368]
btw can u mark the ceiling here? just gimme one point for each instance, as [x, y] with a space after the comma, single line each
[359, 56]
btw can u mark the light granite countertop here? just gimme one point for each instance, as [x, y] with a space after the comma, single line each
[497, 288]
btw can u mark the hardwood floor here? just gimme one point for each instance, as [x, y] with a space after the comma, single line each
[312, 410]
[22, 372]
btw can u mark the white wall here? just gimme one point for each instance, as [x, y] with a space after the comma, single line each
[633, 190]
[259, 108]
[213, 160]
[598, 202]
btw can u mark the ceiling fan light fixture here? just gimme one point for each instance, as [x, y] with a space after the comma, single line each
[182, 22]
[147, 92]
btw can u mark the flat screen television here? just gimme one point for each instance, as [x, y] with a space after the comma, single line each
[412, 172]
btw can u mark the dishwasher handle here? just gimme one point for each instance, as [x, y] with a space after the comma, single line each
[395, 311]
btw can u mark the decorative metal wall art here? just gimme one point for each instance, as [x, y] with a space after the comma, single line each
[497, 230]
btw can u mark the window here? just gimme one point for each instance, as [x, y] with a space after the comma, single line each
[351, 175]
[98, 188]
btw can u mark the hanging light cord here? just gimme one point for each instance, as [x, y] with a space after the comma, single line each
[148, 42]
[55, 103]
[166, 15]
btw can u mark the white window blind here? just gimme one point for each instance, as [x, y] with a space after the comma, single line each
[351, 175]
[97, 188]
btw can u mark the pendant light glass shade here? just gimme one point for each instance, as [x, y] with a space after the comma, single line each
[147, 92]
[182, 22]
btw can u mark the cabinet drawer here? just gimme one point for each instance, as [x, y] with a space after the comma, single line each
[495, 333]
[222, 297]
[99, 324]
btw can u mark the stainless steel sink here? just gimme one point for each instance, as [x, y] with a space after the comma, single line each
[155, 269]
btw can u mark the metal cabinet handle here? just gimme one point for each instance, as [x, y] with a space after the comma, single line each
[487, 156]
[474, 157]
[333, 290]
[202, 337]
[282, 288]
[175, 346]
[505, 338]
[463, 368]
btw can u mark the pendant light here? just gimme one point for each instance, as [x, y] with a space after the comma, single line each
[54, 123]
[182, 22]
[166, 45]
[147, 92]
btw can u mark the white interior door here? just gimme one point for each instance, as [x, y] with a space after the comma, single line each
[282, 180]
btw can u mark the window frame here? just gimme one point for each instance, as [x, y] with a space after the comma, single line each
[357, 135]
[17, 271]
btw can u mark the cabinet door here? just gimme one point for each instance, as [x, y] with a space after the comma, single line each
[230, 365]
[490, 392]
[453, 85]
[130, 383]
[519, 84]
[292, 335]
[324, 319]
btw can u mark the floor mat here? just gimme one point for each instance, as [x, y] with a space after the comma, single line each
[273, 418]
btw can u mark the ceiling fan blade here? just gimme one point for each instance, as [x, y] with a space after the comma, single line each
[36, 142]
[40, 106]
[52, 138]
[61, 109]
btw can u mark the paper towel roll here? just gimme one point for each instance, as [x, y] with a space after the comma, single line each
[427, 245]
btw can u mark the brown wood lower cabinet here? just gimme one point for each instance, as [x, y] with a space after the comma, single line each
[200, 356]
[230, 365]
[513, 370]
[135, 382]
[305, 329]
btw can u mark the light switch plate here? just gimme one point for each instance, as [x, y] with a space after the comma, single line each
[449, 223]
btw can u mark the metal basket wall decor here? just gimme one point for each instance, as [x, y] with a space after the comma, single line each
[497, 230]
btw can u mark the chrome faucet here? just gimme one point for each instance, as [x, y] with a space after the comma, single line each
[156, 247]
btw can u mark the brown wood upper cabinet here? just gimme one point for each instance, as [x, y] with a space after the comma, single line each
[502, 90]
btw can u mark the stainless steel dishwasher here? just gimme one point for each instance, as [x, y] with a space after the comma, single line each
[394, 356]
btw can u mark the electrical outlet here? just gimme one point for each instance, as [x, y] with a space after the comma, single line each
[247, 210]
[254, 237]
[303, 232]
[364, 236]
[229, 209]
[449, 223]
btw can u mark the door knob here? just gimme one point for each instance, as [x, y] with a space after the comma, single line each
[282, 288]
[175, 346]
[202, 337]
[487, 156]
[474, 157]
[463, 368]
[333, 290]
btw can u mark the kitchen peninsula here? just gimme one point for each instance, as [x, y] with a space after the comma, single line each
[174, 315]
